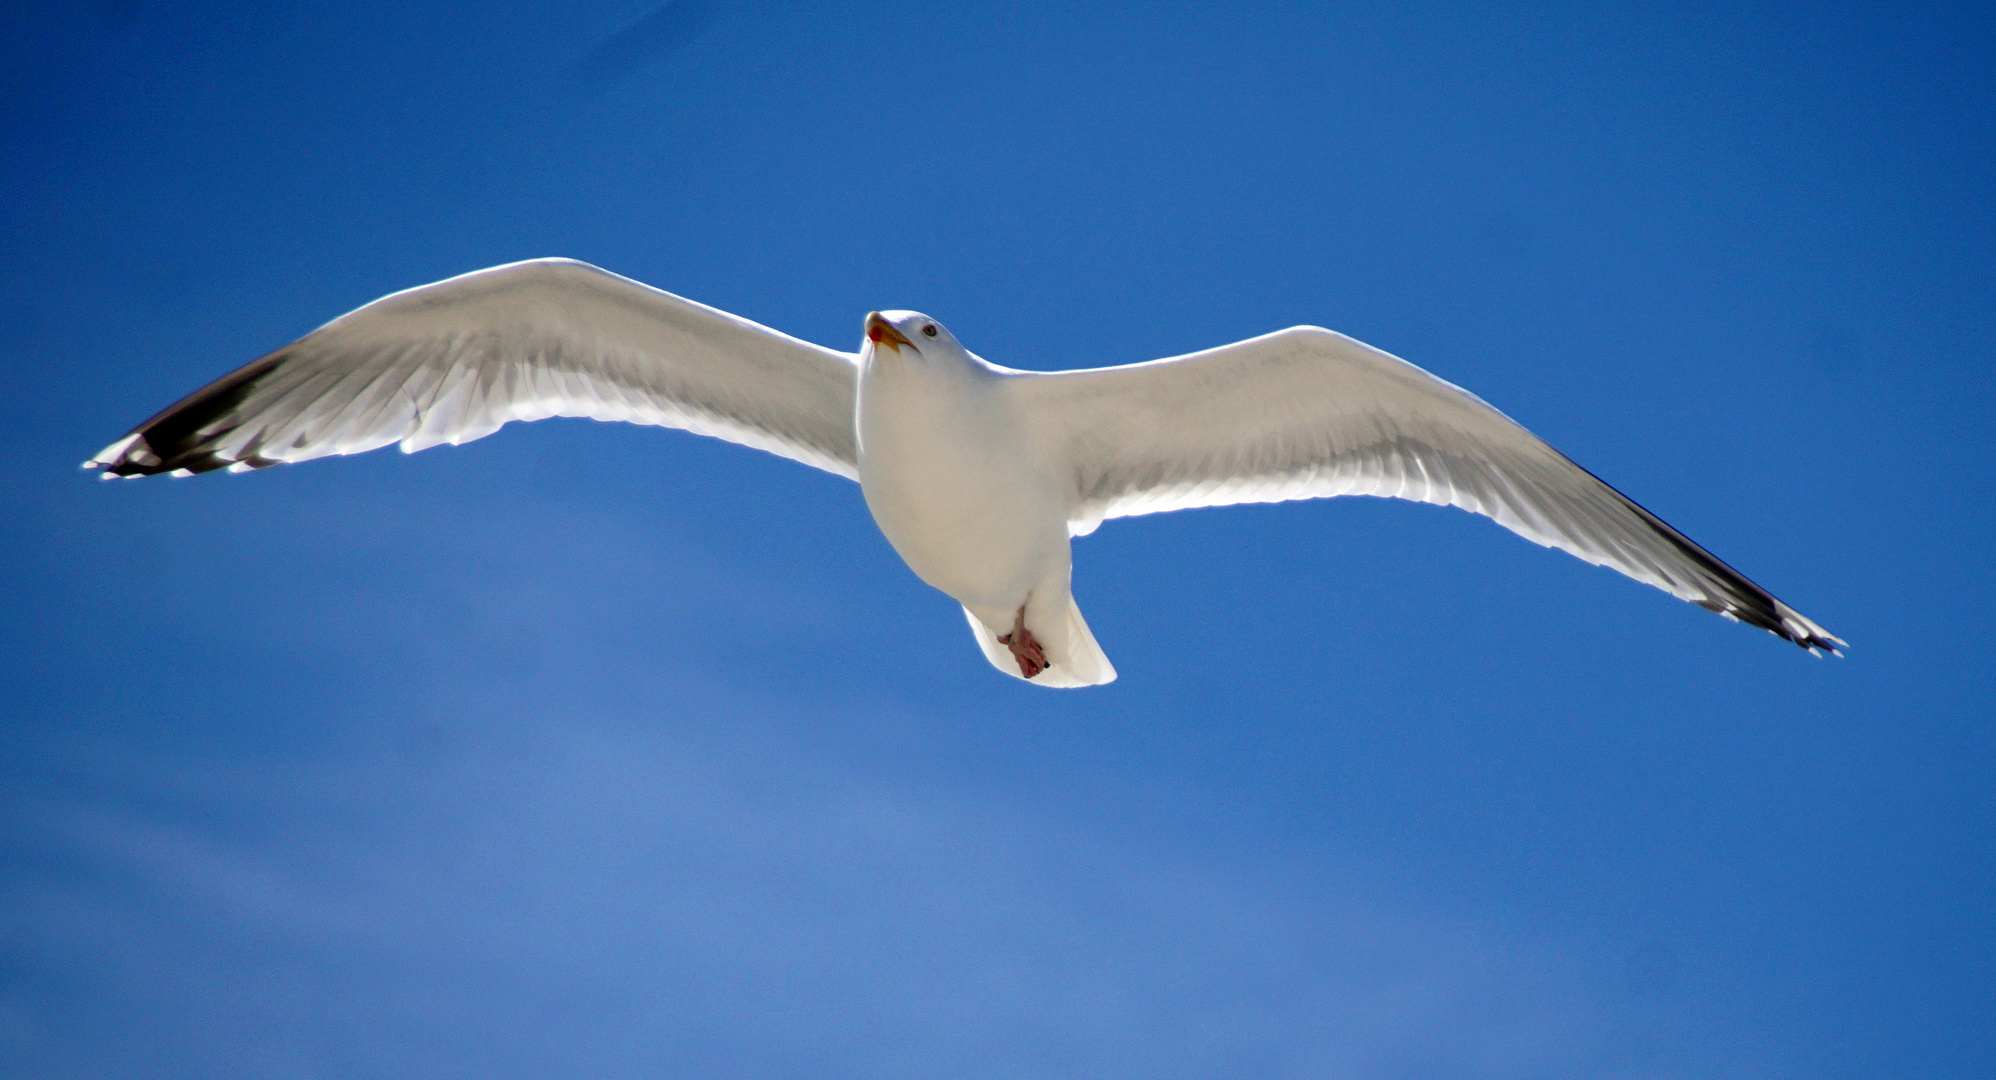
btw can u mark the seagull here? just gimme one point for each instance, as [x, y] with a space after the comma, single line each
[978, 475]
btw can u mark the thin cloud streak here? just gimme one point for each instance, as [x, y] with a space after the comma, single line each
[637, 46]
[601, 895]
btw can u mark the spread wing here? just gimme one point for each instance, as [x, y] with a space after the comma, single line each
[455, 361]
[1308, 413]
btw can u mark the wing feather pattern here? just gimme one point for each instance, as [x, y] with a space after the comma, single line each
[457, 360]
[1310, 413]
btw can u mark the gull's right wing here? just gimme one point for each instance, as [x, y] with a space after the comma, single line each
[456, 360]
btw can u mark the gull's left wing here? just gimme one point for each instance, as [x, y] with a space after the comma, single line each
[1307, 413]
[456, 360]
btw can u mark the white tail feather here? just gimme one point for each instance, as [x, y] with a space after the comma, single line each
[1077, 661]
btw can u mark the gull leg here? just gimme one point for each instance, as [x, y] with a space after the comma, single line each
[1025, 648]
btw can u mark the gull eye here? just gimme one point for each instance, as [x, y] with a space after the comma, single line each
[929, 330]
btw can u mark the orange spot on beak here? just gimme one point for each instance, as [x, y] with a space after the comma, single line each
[881, 332]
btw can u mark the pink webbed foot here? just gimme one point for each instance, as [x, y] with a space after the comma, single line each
[1025, 648]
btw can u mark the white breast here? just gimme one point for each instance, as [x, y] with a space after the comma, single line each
[944, 470]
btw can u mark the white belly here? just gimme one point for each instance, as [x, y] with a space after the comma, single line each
[948, 482]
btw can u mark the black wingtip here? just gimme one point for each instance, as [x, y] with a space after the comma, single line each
[181, 438]
[1757, 608]
[1807, 634]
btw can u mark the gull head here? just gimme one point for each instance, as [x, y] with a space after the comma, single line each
[908, 331]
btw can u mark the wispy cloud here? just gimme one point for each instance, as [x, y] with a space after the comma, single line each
[638, 46]
[606, 896]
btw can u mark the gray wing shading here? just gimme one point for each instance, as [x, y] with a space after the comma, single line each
[1309, 413]
[457, 360]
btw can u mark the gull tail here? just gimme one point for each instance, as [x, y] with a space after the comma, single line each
[1075, 658]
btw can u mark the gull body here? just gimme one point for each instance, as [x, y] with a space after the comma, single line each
[951, 477]
[977, 474]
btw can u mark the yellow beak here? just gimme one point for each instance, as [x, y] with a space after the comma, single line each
[880, 332]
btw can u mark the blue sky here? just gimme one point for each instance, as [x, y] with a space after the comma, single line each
[596, 750]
